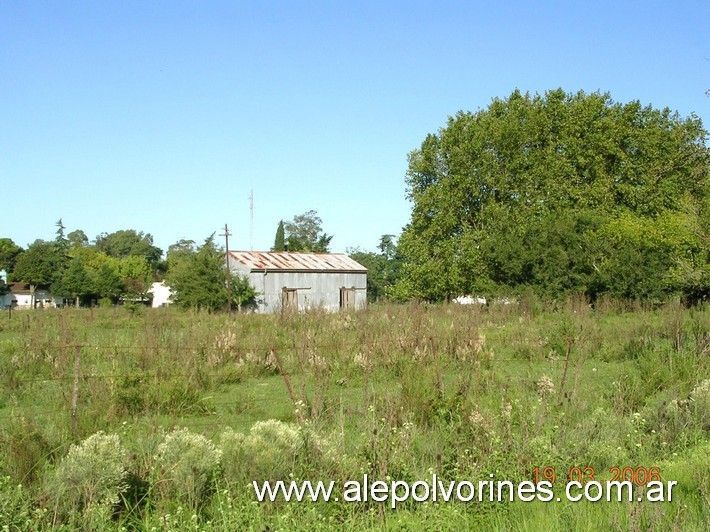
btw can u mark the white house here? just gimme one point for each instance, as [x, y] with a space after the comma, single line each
[302, 281]
[5, 300]
[161, 294]
[20, 296]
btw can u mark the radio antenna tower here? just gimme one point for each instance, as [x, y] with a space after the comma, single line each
[251, 220]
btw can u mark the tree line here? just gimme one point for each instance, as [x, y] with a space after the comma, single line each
[553, 194]
[118, 265]
[122, 266]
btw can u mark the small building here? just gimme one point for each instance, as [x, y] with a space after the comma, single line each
[20, 296]
[161, 294]
[302, 281]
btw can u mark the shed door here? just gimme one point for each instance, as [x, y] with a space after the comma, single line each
[289, 299]
[347, 298]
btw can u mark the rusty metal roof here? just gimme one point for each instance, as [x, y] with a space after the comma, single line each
[19, 288]
[287, 261]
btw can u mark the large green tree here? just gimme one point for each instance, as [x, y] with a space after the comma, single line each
[77, 239]
[136, 275]
[75, 282]
[544, 191]
[128, 242]
[40, 265]
[198, 278]
[305, 233]
[8, 253]
[108, 282]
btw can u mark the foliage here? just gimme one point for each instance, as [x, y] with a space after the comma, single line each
[383, 268]
[243, 293]
[269, 452]
[128, 242]
[8, 253]
[108, 281]
[280, 238]
[40, 264]
[198, 278]
[77, 238]
[92, 475]
[119, 264]
[542, 191]
[23, 449]
[179, 251]
[136, 274]
[74, 282]
[186, 463]
[60, 239]
[398, 392]
[305, 233]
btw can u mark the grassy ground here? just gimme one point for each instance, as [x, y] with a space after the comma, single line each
[398, 391]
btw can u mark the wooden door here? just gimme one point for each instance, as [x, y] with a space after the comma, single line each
[347, 298]
[289, 299]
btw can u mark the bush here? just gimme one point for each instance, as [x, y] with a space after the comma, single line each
[268, 452]
[699, 404]
[186, 463]
[90, 478]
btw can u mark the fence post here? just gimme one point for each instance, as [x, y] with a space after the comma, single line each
[284, 375]
[75, 388]
[564, 371]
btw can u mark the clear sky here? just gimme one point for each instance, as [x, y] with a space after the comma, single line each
[162, 116]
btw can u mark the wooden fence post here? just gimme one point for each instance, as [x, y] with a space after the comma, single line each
[75, 388]
[564, 371]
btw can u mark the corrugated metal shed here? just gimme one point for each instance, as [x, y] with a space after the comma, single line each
[284, 261]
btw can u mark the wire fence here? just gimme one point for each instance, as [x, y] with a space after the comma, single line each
[434, 347]
[378, 347]
[421, 349]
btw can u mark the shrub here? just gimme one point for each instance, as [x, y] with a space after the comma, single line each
[90, 478]
[186, 464]
[268, 452]
[699, 404]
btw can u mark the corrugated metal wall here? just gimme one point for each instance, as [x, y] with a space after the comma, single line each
[314, 289]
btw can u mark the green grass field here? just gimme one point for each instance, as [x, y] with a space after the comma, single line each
[400, 392]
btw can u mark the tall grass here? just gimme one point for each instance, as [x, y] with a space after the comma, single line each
[397, 391]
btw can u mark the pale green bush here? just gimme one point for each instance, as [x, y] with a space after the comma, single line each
[699, 405]
[185, 465]
[268, 452]
[272, 450]
[90, 478]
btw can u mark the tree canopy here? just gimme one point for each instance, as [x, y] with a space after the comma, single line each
[120, 264]
[305, 233]
[74, 282]
[198, 277]
[8, 253]
[39, 264]
[128, 242]
[559, 193]
[383, 268]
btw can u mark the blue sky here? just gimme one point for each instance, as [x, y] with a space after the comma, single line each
[163, 116]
